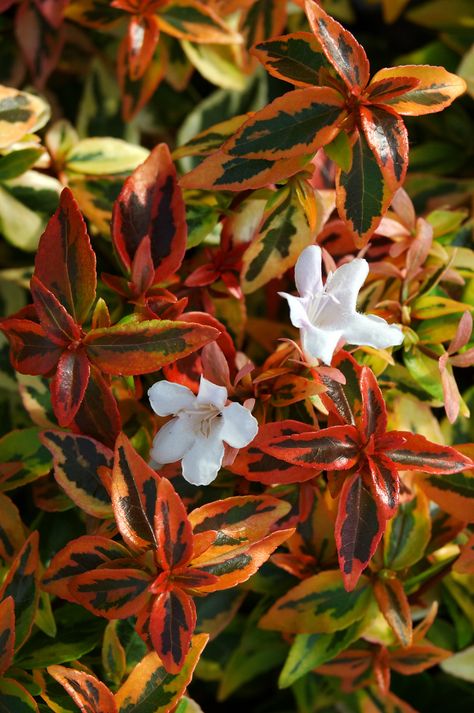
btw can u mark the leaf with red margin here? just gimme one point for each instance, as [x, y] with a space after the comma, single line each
[150, 686]
[12, 534]
[144, 347]
[151, 205]
[195, 21]
[69, 385]
[134, 496]
[12, 693]
[221, 171]
[85, 554]
[393, 604]
[319, 604]
[136, 94]
[295, 124]
[381, 91]
[76, 461]
[87, 692]
[7, 634]
[341, 48]
[211, 139]
[55, 320]
[362, 194]
[384, 483]
[416, 659]
[235, 564]
[295, 58]
[417, 453]
[112, 593]
[333, 448]
[21, 583]
[255, 465]
[31, 351]
[387, 136]
[41, 44]
[374, 412]
[98, 415]
[140, 41]
[174, 536]
[65, 261]
[359, 528]
[349, 665]
[172, 623]
[436, 88]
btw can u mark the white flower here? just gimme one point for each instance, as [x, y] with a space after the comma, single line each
[201, 425]
[327, 313]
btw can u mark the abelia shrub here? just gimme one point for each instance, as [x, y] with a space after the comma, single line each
[237, 464]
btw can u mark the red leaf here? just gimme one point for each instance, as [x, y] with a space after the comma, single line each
[7, 634]
[359, 527]
[334, 448]
[382, 478]
[172, 623]
[346, 55]
[140, 41]
[112, 593]
[40, 44]
[151, 205]
[173, 532]
[379, 92]
[21, 583]
[98, 415]
[69, 385]
[55, 320]
[31, 352]
[417, 453]
[143, 270]
[374, 412]
[65, 261]
[387, 136]
[416, 659]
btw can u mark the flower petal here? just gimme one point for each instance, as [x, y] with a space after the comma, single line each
[202, 462]
[298, 313]
[345, 283]
[173, 440]
[239, 426]
[308, 271]
[320, 343]
[372, 331]
[210, 393]
[167, 398]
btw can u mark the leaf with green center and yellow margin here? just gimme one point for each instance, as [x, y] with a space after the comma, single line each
[151, 689]
[362, 195]
[393, 604]
[453, 493]
[433, 306]
[21, 584]
[20, 113]
[12, 531]
[294, 124]
[23, 458]
[283, 234]
[319, 605]
[13, 697]
[76, 460]
[195, 21]
[17, 162]
[221, 171]
[437, 89]
[114, 661]
[98, 156]
[99, 14]
[211, 139]
[144, 347]
[295, 58]
[408, 533]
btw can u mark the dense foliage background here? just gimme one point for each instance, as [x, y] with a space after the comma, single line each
[108, 99]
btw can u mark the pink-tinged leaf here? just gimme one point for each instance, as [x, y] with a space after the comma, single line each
[143, 271]
[140, 41]
[341, 48]
[7, 634]
[436, 90]
[463, 333]
[98, 415]
[134, 496]
[451, 395]
[172, 624]
[151, 205]
[69, 385]
[374, 412]
[82, 555]
[65, 261]
[144, 347]
[112, 593]
[31, 351]
[256, 465]
[381, 91]
[393, 604]
[388, 138]
[40, 43]
[52, 10]
[21, 583]
[417, 453]
[334, 448]
[55, 320]
[87, 692]
[359, 528]
[173, 532]
[384, 484]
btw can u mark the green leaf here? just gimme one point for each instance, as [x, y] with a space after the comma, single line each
[23, 458]
[340, 151]
[17, 162]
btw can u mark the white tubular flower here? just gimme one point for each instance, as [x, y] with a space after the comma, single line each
[327, 313]
[201, 425]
